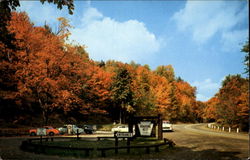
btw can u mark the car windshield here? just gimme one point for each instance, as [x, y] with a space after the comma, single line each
[48, 127]
[87, 126]
[122, 127]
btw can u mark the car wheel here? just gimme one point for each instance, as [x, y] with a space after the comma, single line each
[51, 134]
[32, 134]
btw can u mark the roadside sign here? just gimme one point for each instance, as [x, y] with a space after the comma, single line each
[145, 128]
[124, 134]
[41, 132]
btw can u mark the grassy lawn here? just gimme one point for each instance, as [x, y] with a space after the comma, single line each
[134, 153]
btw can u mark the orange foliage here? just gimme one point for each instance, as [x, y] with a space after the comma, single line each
[61, 77]
[53, 73]
[186, 98]
[210, 110]
[231, 104]
[161, 92]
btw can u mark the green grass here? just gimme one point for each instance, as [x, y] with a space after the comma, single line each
[134, 153]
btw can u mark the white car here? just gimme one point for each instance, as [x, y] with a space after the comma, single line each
[122, 128]
[167, 126]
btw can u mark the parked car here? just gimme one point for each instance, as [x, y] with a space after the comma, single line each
[122, 128]
[88, 129]
[167, 126]
[63, 130]
[49, 131]
[70, 129]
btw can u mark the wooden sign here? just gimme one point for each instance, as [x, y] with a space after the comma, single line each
[124, 134]
[145, 128]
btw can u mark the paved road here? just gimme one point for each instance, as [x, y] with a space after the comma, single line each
[195, 141]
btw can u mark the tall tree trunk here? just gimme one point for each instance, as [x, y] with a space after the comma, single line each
[45, 119]
[44, 112]
[122, 105]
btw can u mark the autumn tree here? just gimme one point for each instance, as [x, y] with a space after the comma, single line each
[38, 66]
[8, 48]
[161, 92]
[52, 74]
[210, 111]
[166, 71]
[7, 39]
[198, 110]
[186, 98]
[175, 104]
[233, 104]
[8, 67]
[97, 88]
[169, 91]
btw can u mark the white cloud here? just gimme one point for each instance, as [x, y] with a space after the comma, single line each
[91, 15]
[204, 19]
[104, 37]
[107, 38]
[233, 40]
[206, 89]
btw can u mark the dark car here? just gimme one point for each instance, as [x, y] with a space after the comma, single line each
[88, 129]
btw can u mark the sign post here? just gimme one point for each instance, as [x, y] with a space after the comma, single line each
[127, 135]
[77, 134]
[128, 144]
[41, 132]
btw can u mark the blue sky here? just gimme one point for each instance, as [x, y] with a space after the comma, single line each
[200, 39]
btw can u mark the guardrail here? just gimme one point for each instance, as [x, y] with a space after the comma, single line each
[222, 128]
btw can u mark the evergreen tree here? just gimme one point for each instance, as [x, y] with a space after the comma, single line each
[121, 90]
